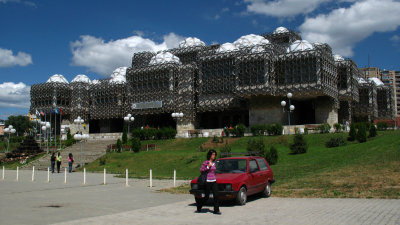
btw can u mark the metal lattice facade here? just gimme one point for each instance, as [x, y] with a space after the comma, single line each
[203, 79]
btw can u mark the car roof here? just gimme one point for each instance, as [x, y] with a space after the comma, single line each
[241, 157]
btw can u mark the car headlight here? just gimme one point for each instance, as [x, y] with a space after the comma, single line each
[195, 186]
[228, 187]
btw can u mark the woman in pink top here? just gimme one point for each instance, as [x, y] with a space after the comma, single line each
[70, 162]
[211, 184]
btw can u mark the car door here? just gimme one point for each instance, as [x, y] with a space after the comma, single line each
[263, 172]
[254, 177]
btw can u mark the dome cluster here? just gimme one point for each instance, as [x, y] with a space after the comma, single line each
[245, 41]
[300, 45]
[117, 76]
[163, 58]
[191, 42]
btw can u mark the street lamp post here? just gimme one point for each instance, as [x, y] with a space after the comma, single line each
[10, 130]
[79, 136]
[291, 107]
[129, 118]
[48, 137]
[176, 116]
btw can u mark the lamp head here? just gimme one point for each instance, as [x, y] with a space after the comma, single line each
[291, 107]
[289, 95]
[132, 118]
[283, 103]
[129, 115]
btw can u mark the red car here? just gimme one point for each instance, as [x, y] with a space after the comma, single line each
[239, 177]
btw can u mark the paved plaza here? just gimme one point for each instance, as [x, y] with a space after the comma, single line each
[39, 202]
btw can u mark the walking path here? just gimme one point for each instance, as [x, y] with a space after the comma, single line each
[91, 150]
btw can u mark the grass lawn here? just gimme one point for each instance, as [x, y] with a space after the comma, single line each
[359, 170]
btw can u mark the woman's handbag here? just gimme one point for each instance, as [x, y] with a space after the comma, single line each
[202, 178]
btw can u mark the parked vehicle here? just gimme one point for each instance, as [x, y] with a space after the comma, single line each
[239, 177]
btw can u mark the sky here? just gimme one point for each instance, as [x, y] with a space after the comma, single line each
[93, 37]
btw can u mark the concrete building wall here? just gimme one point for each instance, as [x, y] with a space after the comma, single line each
[265, 110]
[325, 111]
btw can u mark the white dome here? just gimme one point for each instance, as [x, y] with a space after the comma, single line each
[227, 47]
[376, 81]
[120, 71]
[250, 40]
[118, 80]
[191, 42]
[118, 75]
[95, 81]
[338, 58]
[281, 30]
[361, 80]
[257, 49]
[299, 45]
[57, 78]
[164, 57]
[81, 78]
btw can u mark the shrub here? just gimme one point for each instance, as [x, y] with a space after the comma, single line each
[69, 136]
[226, 148]
[361, 134]
[299, 145]
[272, 156]
[372, 131]
[215, 139]
[335, 142]
[102, 161]
[258, 130]
[136, 145]
[119, 145]
[324, 128]
[227, 132]
[124, 136]
[338, 127]
[352, 133]
[276, 129]
[382, 126]
[238, 130]
[306, 130]
[256, 147]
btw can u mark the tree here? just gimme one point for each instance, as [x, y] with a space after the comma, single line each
[136, 144]
[299, 145]
[372, 131]
[272, 156]
[352, 132]
[119, 145]
[20, 123]
[361, 134]
[124, 136]
[256, 145]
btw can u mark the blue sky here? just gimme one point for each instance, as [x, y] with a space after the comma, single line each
[70, 37]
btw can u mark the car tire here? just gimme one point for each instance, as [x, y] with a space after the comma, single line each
[267, 190]
[241, 197]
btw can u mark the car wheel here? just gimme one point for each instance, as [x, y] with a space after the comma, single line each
[242, 196]
[267, 190]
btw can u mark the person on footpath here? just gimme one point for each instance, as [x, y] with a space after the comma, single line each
[58, 158]
[211, 184]
[70, 162]
[53, 162]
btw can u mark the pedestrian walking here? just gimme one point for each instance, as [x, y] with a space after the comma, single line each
[70, 162]
[211, 184]
[59, 159]
[53, 162]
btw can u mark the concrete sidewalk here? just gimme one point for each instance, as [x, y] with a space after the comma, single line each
[39, 202]
[263, 211]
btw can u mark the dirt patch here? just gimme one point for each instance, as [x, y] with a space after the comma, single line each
[212, 143]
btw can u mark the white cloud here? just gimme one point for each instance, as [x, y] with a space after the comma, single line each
[283, 8]
[14, 95]
[103, 57]
[27, 3]
[342, 28]
[8, 59]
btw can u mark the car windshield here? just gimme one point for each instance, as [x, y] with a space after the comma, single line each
[231, 166]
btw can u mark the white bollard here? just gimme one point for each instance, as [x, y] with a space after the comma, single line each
[48, 174]
[126, 178]
[84, 175]
[104, 176]
[33, 173]
[151, 178]
[65, 175]
[3, 173]
[174, 177]
[17, 172]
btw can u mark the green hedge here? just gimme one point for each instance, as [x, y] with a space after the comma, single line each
[270, 129]
[154, 134]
